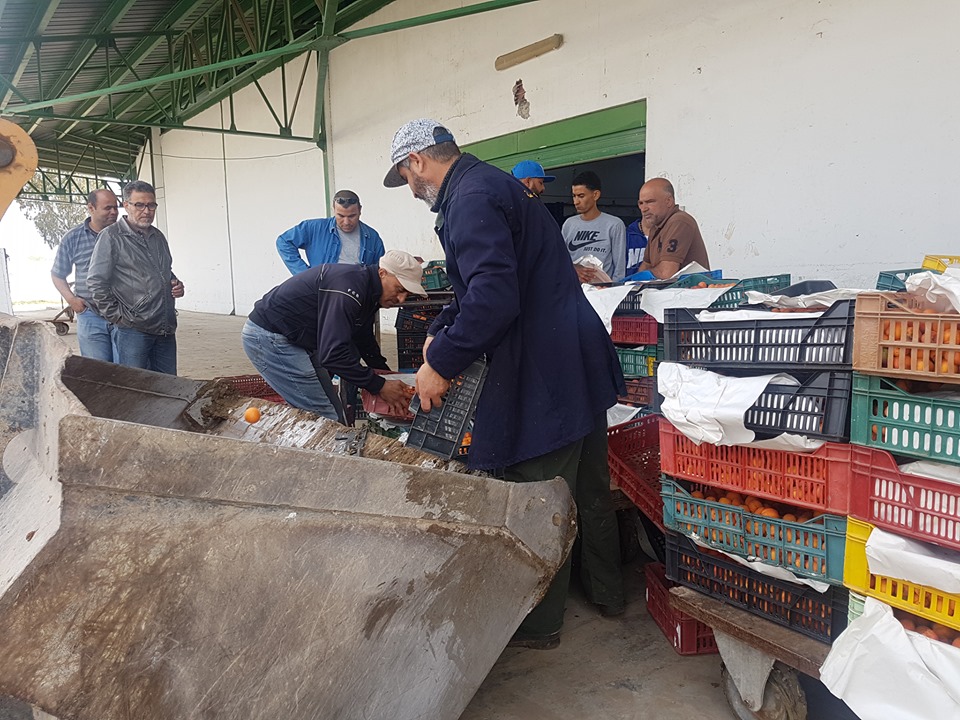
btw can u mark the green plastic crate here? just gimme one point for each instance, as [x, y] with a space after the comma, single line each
[638, 362]
[735, 295]
[738, 293]
[920, 426]
[855, 606]
[893, 280]
[812, 549]
[435, 276]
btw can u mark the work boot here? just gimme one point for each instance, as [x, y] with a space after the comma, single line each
[534, 642]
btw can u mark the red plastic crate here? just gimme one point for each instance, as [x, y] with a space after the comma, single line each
[640, 391]
[634, 329]
[821, 480]
[253, 386]
[688, 635]
[919, 507]
[634, 459]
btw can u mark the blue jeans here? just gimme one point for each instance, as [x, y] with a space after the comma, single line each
[287, 368]
[143, 350]
[93, 333]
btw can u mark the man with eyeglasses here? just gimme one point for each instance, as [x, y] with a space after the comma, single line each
[341, 238]
[73, 256]
[133, 286]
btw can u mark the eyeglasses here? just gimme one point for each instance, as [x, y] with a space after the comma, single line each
[347, 202]
[144, 206]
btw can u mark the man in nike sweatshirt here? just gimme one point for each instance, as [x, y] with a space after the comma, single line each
[592, 232]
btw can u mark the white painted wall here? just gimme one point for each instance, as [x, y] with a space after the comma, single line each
[811, 137]
[814, 137]
[227, 197]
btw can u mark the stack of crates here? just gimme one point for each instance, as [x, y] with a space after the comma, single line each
[780, 508]
[636, 335]
[413, 321]
[906, 407]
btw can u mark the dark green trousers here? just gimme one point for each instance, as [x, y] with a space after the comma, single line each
[583, 464]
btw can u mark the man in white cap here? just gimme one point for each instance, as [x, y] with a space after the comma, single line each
[552, 371]
[328, 311]
[531, 174]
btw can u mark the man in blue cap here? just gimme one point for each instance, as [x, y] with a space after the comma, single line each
[531, 174]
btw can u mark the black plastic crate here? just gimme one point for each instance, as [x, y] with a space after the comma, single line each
[806, 287]
[785, 344]
[822, 616]
[630, 305]
[818, 408]
[409, 360]
[441, 431]
[411, 340]
[416, 320]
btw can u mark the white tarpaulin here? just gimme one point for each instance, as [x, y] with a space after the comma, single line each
[821, 299]
[917, 562]
[884, 672]
[606, 300]
[933, 470]
[941, 290]
[619, 414]
[709, 408]
[654, 302]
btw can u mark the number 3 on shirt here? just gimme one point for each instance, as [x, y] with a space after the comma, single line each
[672, 246]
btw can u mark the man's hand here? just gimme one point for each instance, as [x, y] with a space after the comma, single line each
[430, 387]
[397, 395]
[77, 304]
[586, 274]
[426, 344]
[176, 288]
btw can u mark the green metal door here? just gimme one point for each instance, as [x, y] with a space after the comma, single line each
[617, 131]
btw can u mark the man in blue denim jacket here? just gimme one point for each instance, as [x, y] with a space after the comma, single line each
[341, 238]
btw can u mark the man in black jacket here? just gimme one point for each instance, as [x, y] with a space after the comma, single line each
[328, 310]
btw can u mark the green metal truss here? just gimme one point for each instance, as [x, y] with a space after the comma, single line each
[88, 89]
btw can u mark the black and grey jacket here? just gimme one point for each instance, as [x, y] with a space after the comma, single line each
[129, 279]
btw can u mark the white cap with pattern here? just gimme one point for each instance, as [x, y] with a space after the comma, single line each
[415, 136]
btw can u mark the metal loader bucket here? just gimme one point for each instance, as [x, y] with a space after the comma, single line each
[152, 572]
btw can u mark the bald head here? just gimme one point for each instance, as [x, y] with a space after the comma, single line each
[656, 200]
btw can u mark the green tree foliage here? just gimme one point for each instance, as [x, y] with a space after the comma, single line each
[53, 219]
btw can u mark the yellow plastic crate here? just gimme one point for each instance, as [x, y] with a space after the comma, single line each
[927, 602]
[940, 262]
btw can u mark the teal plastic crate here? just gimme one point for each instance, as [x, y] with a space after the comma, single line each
[738, 293]
[855, 606]
[920, 426]
[812, 549]
[435, 276]
[689, 281]
[639, 361]
[893, 280]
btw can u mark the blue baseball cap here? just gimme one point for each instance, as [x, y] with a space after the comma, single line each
[530, 169]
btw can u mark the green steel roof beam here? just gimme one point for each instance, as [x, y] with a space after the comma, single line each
[114, 13]
[170, 19]
[281, 52]
[280, 27]
[357, 11]
[432, 18]
[107, 122]
[329, 10]
[43, 12]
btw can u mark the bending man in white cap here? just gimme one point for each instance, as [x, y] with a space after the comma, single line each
[328, 310]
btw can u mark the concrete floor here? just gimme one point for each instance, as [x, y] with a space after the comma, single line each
[618, 669]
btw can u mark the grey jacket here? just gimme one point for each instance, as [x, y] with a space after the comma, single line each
[129, 279]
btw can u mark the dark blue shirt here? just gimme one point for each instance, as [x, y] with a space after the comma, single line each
[329, 310]
[552, 367]
[636, 244]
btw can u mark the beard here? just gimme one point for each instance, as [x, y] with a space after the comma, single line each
[423, 190]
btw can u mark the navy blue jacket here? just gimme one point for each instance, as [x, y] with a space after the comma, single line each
[329, 309]
[552, 367]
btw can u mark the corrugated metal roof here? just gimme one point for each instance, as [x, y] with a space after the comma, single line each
[55, 49]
